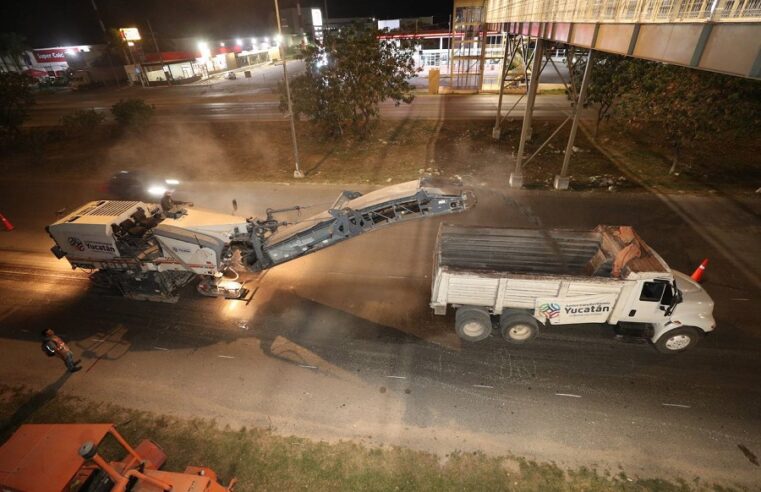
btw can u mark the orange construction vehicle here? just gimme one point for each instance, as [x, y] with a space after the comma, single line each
[71, 457]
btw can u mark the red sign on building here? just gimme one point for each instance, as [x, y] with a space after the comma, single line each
[52, 55]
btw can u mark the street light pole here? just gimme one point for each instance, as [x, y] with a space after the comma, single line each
[297, 173]
[108, 42]
[161, 57]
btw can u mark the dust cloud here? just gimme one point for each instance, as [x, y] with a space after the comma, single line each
[185, 151]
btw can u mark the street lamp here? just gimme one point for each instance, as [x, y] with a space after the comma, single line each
[297, 173]
[203, 48]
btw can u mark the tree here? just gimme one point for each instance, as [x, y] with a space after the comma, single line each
[15, 100]
[610, 78]
[132, 114]
[347, 76]
[689, 104]
[82, 123]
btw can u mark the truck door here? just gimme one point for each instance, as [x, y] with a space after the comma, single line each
[647, 302]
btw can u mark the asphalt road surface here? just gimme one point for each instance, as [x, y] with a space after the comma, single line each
[341, 344]
[253, 100]
[194, 106]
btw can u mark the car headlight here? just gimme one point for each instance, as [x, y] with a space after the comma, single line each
[157, 190]
[172, 182]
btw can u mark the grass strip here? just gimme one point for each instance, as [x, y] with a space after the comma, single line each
[264, 460]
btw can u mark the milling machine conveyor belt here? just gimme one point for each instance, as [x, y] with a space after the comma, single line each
[363, 213]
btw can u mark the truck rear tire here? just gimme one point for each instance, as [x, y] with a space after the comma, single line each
[678, 340]
[472, 324]
[518, 327]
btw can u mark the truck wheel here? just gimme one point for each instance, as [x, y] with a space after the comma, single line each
[472, 324]
[517, 327]
[678, 340]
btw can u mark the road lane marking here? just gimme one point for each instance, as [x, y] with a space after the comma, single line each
[569, 395]
[397, 377]
[482, 386]
[678, 405]
[160, 348]
[225, 356]
[307, 367]
[740, 299]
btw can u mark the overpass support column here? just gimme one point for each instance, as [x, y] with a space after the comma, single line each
[562, 180]
[516, 177]
[507, 60]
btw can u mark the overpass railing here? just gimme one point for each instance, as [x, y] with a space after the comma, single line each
[623, 11]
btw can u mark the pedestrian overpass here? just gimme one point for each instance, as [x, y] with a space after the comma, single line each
[715, 35]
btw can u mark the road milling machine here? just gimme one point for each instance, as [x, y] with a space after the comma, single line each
[150, 251]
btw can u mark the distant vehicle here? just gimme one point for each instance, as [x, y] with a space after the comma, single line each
[519, 279]
[231, 76]
[136, 185]
[80, 79]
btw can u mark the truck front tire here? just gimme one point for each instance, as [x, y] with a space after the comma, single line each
[678, 340]
[472, 324]
[518, 327]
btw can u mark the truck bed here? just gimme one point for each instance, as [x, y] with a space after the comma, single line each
[530, 251]
[587, 253]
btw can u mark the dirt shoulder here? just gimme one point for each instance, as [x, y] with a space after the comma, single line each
[396, 151]
[262, 460]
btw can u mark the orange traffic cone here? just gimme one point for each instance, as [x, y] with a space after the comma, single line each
[6, 223]
[697, 275]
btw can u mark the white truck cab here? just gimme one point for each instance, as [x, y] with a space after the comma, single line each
[524, 277]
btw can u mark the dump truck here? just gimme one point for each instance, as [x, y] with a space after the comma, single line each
[73, 458]
[517, 280]
[149, 251]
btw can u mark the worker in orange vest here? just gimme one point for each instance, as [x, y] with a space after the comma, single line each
[53, 345]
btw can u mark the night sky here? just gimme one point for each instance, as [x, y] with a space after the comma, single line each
[68, 22]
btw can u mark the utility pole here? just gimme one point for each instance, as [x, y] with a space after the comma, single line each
[297, 173]
[161, 57]
[108, 47]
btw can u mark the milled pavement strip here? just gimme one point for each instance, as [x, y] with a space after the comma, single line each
[745, 269]
[43, 274]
